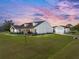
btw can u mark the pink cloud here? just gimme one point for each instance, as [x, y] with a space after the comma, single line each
[67, 8]
[48, 16]
[25, 14]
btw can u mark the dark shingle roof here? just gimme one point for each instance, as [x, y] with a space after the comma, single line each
[38, 23]
[29, 25]
[17, 26]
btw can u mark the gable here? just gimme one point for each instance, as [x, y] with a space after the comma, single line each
[12, 27]
[38, 23]
[44, 24]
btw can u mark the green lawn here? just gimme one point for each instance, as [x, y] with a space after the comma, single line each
[71, 51]
[49, 46]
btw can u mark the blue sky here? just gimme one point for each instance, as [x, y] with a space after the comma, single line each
[4, 4]
[21, 9]
[39, 3]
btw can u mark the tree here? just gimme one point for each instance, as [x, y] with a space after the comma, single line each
[76, 27]
[69, 25]
[7, 24]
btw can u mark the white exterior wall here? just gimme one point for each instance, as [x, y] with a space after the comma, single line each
[59, 30]
[67, 30]
[11, 30]
[44, 28]
[14, 30]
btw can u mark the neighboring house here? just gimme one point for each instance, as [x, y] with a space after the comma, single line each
[67, 30]
[15, 29]
[39, 27]
[61, 29]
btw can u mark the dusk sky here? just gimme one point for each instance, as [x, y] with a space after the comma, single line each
[56, 12]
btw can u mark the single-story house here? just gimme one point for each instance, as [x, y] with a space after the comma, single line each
[61, 29]
[15, 29]
[38, 27]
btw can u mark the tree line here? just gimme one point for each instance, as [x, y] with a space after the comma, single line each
[75, 28]
[6, 25]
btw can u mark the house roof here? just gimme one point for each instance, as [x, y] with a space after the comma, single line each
[60, 26]
[38, 23]
[17, 26]
[29, 25]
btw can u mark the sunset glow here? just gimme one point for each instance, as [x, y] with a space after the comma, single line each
[53, 11]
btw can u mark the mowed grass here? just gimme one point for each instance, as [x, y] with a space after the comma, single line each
[71, 51]
[49, 46]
